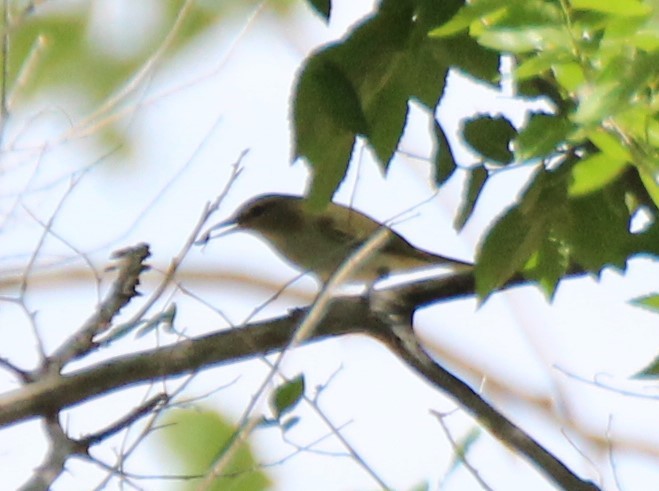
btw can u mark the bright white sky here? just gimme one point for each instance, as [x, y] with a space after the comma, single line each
[231, 93]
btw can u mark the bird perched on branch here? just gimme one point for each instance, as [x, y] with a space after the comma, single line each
[319, 242]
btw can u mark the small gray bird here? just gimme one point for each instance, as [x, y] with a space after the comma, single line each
[319, 242]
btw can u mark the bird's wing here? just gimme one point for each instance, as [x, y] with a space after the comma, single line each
[348, 228]
[344, 226]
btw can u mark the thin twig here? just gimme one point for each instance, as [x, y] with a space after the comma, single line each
[124, 289]
[207, 211]
[146, 69]
[460, 455]
[302, 332]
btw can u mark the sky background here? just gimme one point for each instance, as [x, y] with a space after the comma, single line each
[200, 111]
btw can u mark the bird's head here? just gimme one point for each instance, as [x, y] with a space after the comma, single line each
[269, 213]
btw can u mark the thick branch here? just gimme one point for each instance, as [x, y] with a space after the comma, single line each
[54, 392]
[345, 315]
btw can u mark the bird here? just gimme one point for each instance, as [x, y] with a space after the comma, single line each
[318, 242]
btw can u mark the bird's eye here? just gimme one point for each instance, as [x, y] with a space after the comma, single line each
[255, 212]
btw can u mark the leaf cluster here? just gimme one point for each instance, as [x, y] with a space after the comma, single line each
[594, 153]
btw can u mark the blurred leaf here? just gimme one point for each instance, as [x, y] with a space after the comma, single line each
[56, 50]
[490, 137]
[610, 145]
[287, 396]
[650, 302]
[530, 13]
[595, 227]
[462, 447]
[548, 266]
[609, 96]
[323, 7]
[476, 180]
[288, 423]
[269, 423]
[444, 161]
[194, 439]
[570, 75]
[524, 40]
[541, 136]
[545, 86]
[594, 172]
[650, 372]
[626, 8]
[651, 185]
[541, 62]
[472, 12]
[164, 319]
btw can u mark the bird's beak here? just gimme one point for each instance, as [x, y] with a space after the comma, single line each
[225, 228]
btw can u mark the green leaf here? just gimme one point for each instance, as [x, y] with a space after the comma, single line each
[530, 13]
[490, 137]
[609, 96]
[524, 40]
[547, 266]
[650, 302]
[541, 136]
[650, 372]
[541, 62]
[628, 8]
[517, 240]
[570, 75]
[362, 86]
[287, 396]
[651, 185]
[507, 247]
[444, 161]
[475, 184]
[288, 423]
[472, 12]
[327, 117]
[595, 228]
[323, 7]
[423, 486]
[388, 61]
[594, 172]
[609, 144]
[193, 439]
[465, 54]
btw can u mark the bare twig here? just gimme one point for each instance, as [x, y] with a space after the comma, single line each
[124, 289]
[313, 403]
[208, 210]
[144, 72]
[458, 452]
[305, 330]
[144, 409]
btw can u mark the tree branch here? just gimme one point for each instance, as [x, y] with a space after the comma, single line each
[385, 315]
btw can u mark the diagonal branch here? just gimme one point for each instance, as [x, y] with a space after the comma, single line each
[401, 341]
